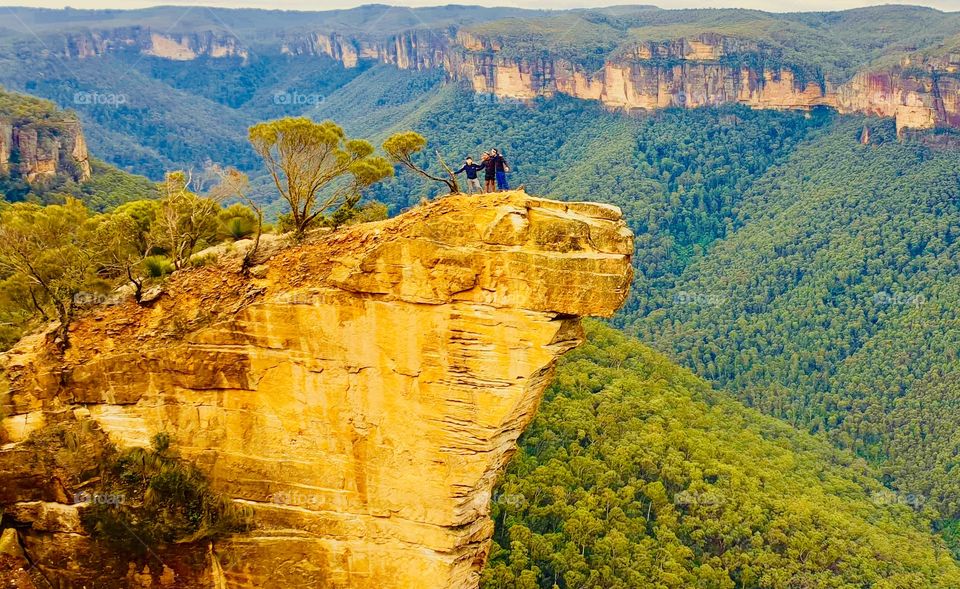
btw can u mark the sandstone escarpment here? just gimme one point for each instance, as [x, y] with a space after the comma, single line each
[706, 70]
[146, 41]
[35, 149]
[360, 393]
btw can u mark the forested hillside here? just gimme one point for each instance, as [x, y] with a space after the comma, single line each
[636, 474]
[810, 274]
[146, 112]
[832, 302]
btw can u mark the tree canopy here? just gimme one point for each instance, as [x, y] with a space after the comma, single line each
[315, 167]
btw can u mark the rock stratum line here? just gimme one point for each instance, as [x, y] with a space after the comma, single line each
[361, 394]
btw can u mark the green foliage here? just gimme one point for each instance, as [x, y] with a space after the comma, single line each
[185, 221]
[52, 252]
[147, 498]
[829, 303]
[401, 147]
[636, 474]
[369, 212]
[238, 221]
[158, 266]
[315, 167]
[201, 260]
[951, 535]
[22, 108]
[109, 188]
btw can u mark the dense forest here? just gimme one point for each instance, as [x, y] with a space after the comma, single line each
[805, 264]
[832, 303]
[635, 473]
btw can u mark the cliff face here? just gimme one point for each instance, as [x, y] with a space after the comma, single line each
[34, 149]
[143, 40]
[361, 395]
[701, 71]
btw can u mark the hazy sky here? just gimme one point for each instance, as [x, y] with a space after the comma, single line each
[772, 5]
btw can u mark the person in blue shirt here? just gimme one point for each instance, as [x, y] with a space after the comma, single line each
[501, 168]
[473, 183]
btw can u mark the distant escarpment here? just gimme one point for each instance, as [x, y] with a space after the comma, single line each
[920, 90]
[359, 393]
[705, 70]
[37, 140]
[145, 41]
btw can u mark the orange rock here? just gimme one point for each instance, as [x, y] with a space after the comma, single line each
[362, 396]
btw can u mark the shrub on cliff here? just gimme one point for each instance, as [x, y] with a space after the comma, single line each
[402, 147]
[150, 497]
[53, 250]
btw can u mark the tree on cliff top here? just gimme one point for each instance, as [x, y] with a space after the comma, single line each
[184, 219]
[53, 249]
[401, 148]
[315, 166]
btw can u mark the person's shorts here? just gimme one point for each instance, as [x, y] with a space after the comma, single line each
[502, 181]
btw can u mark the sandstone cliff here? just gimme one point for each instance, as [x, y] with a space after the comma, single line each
[361, 393]
[43, 145]
[145, 41]
[705, 70]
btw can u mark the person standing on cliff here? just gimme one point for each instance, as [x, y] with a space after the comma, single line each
[501, 167]
[473, 183]
[489, 164]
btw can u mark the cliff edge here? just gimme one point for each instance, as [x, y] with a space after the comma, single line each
[360, 394]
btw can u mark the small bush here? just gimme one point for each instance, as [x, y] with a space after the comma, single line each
[285, 223]
[158, 266]
[156, 498]
[371, 211]
[239, 228]
[204, 260]
[238, 222]
[365, 213]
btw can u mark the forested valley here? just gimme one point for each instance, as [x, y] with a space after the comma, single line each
[774, 407]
